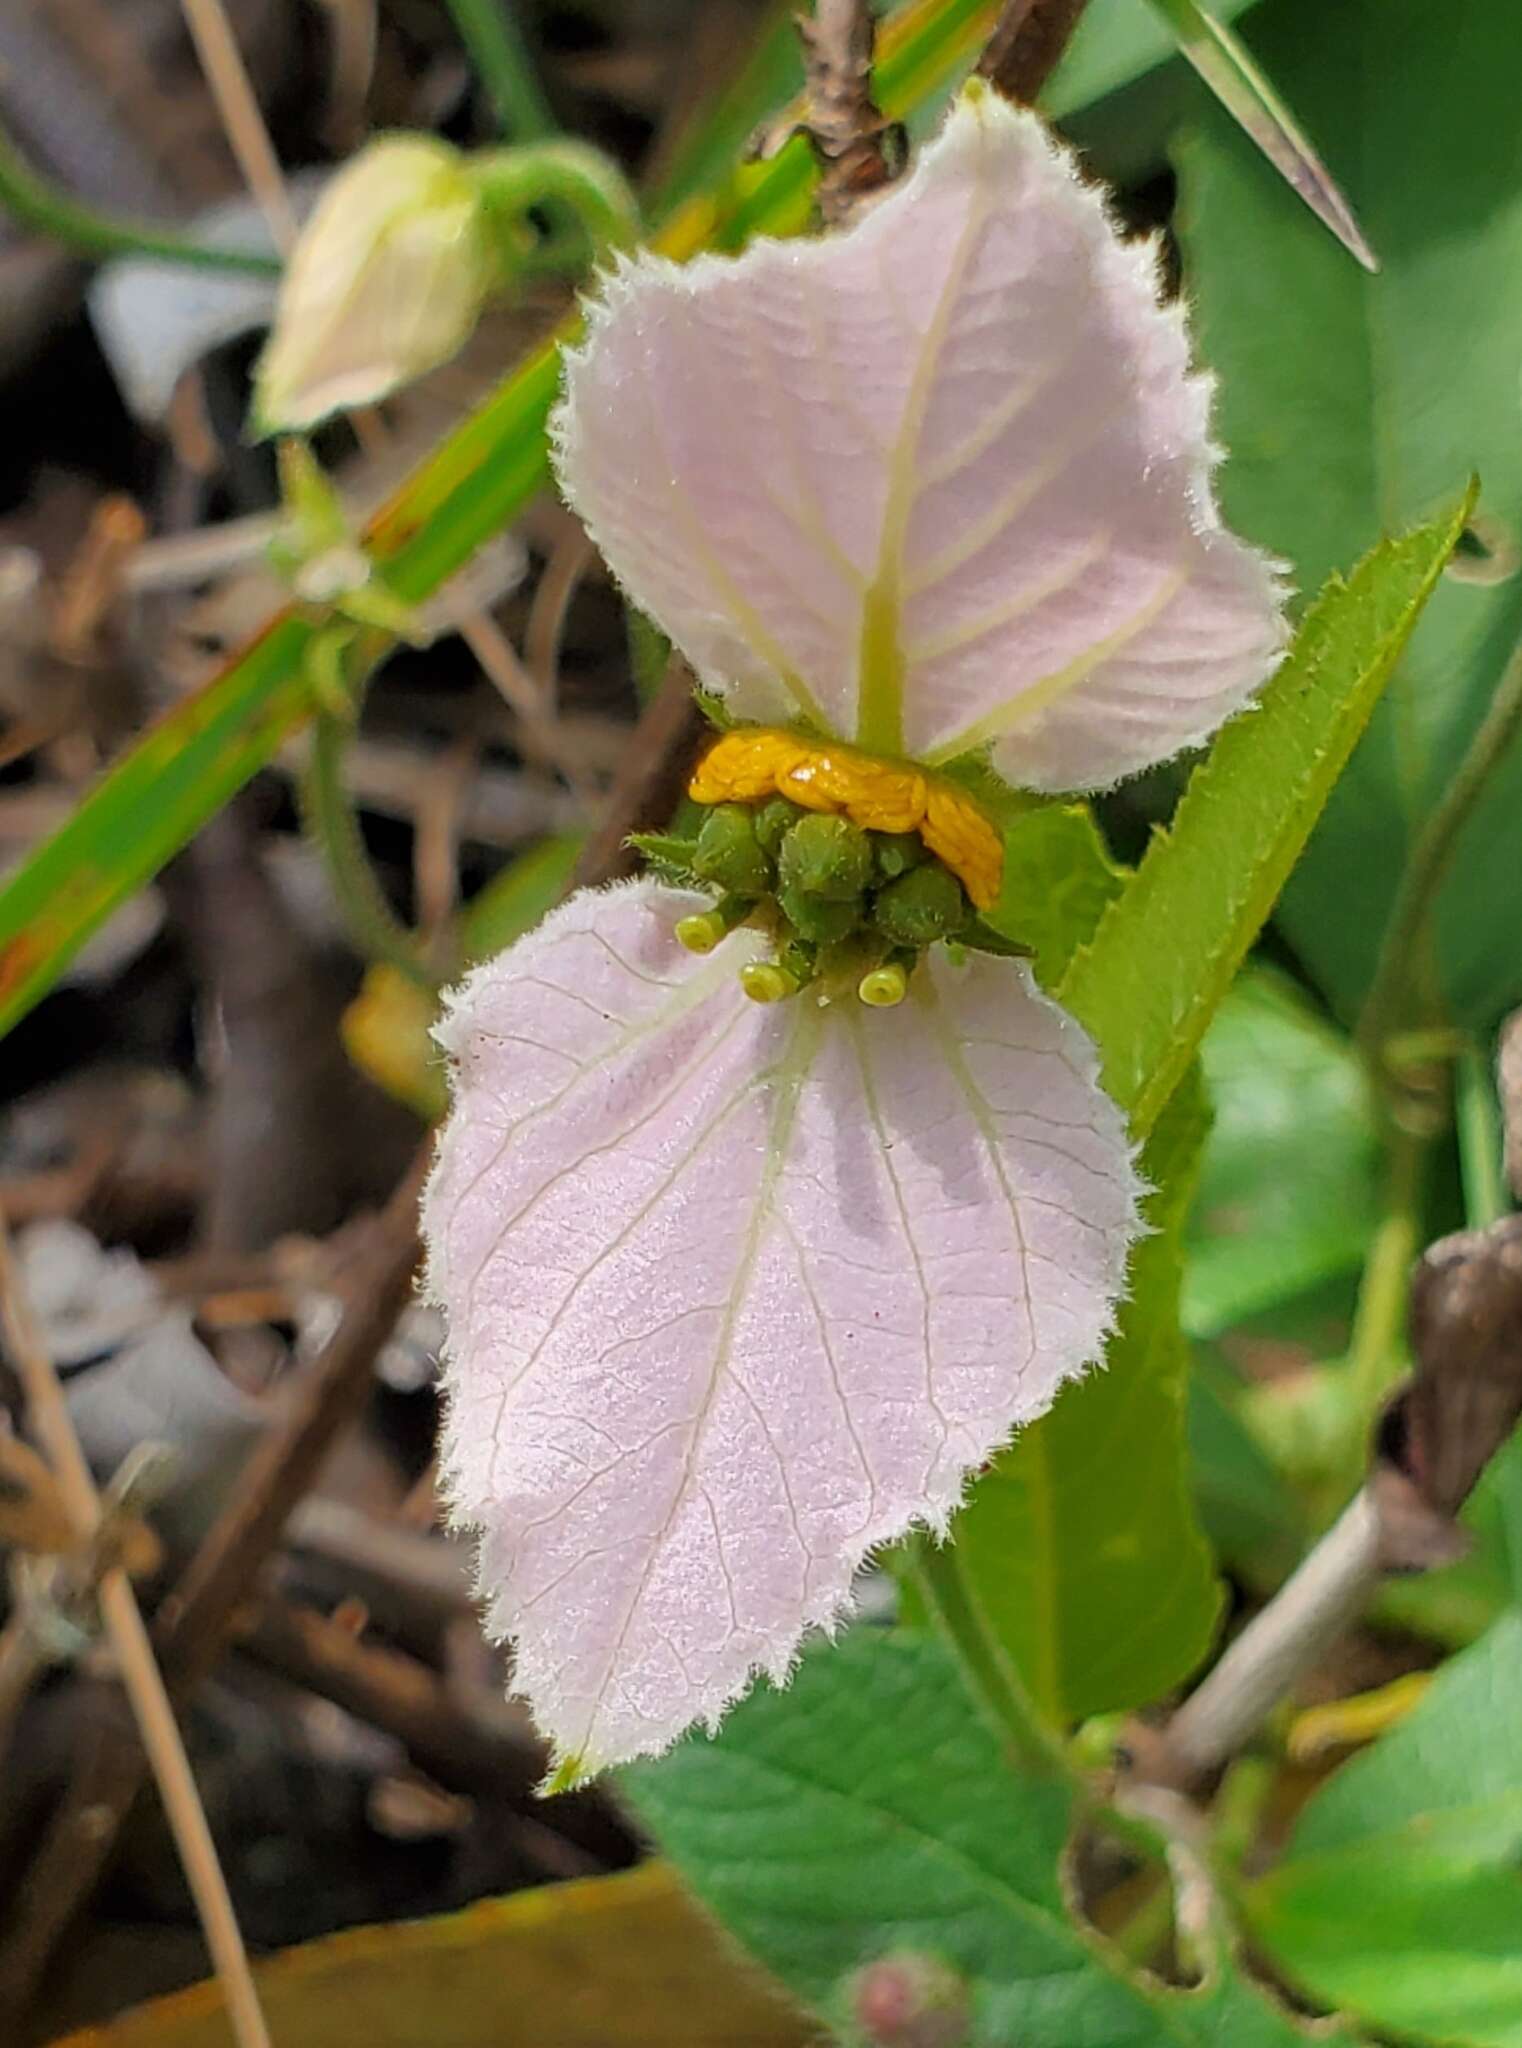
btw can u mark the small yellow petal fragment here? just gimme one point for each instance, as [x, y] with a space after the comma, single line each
[884, 987]
[1345, 1724]
[765, 982]
[754, 762]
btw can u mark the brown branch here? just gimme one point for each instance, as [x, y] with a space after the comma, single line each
[194, 1622]
[649, 785]
[854, 144]
[1434, 1440]
[1509, 1083]
[1027, 44]
[464, 1745]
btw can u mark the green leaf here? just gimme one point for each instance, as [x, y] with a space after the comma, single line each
[527, 888]
[1254, 1520]
[1116, 43]
[1248, 95]
[1400, 1897]
[1289, 1192]
[1079, 1557]
[1058, 880]
[1168, 947]
[1349, 403]
[868, 1810]
[146, 808]
[708, 145]
[1079, 1549]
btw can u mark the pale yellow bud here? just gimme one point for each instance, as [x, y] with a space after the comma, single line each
[386, 282]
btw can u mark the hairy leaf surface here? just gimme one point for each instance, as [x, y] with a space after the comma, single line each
[1399, 1897]
[869, 1811]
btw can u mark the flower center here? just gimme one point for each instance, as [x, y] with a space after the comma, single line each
[853, 864]
[757, 761]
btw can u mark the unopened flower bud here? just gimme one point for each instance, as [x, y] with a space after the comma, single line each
[926, 904]
[774, 819]
[910, 2000]
[894, 853]
[386, 282]
[817, 919]
[728, 853]
[825, 856]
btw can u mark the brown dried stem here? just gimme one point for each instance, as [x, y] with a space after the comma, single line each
[1434, 1440]
[1027, 45]
[848, 131]
[1509, 1087]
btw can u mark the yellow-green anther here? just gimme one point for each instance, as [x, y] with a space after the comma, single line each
[895, 853]
[817, 919]
[728, 853]
[701, 932]
[885, 986]
[926, 904]
[705, 929]
[765, 982]
[773, 820]
[825, 856]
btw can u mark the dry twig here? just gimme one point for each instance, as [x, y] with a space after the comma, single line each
[1027, 45]
[140, 1673]
[855, 145]
[1435, 1439]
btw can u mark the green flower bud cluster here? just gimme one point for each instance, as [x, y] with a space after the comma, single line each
[837, 897]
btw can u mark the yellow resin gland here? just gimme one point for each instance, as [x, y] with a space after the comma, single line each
[757, 761]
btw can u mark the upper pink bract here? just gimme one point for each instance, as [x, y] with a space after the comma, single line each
[970, 413]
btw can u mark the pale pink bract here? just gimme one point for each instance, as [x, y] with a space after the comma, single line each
[736, 1294]
[972, 408]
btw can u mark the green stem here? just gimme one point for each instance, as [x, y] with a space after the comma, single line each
[1380, 1317]
[489, 30]
[1478, 1116]
[334, 827]
[38, 205]
[987, 1671]
[567, 179]
[1385, 1012]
